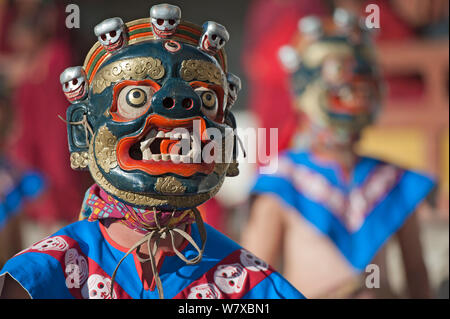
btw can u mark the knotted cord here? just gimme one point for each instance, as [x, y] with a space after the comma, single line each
[161, 233]
[87, 127]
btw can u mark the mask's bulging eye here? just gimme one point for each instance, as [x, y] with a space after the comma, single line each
[136, 98]
[134, 101]
[209, 102]
[208, 99]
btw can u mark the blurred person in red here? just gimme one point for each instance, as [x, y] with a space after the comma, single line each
[33, 54]
[17, 186]
[267, 82]
[326, 209]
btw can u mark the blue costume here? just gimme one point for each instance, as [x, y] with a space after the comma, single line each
[15, 189]
[359, 215]
[226, 270]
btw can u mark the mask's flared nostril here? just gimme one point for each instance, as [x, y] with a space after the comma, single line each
[187, 103]
[168, 102]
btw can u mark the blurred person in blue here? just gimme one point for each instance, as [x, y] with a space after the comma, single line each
[326, 210]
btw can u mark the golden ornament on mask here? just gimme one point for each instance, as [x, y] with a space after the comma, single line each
[201, 71]
[105, 149]
[79, 160]
[129, 69]
[169, 185]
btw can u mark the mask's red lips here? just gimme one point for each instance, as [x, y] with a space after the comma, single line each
[158, 149]
[353, 99]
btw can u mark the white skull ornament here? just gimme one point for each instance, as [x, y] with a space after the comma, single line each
[204, 291]
[251, 262]
[230, 278]
[344, 18]
[289, 58]
[310, 26]
[74, 83]
[97, 287]
[234, 86]
[213, 38]
[165, 19]
[111, 34]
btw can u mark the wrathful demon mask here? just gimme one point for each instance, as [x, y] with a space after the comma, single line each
[333, 74]
[150, 111]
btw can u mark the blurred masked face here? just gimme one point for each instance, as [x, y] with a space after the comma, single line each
[338, 90]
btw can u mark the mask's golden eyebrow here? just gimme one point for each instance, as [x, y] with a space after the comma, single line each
[130, 69]
[201, 70]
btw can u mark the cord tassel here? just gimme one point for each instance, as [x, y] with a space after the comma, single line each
[157, 235]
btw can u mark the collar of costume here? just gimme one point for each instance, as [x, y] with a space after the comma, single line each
[357, 215]
[155, 225]
[99, 205]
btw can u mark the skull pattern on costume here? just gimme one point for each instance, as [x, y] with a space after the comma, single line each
[53, 243]
[230, 278]
[97, 287]
[77, 266]
[204, 291]
[251, 262]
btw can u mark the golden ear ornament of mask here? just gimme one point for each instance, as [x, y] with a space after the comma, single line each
[128, 69]
[201, 71]
[105, 149]
[79, 160]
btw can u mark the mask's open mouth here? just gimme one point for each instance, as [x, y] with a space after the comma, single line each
[352, 99]
[167, 146]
